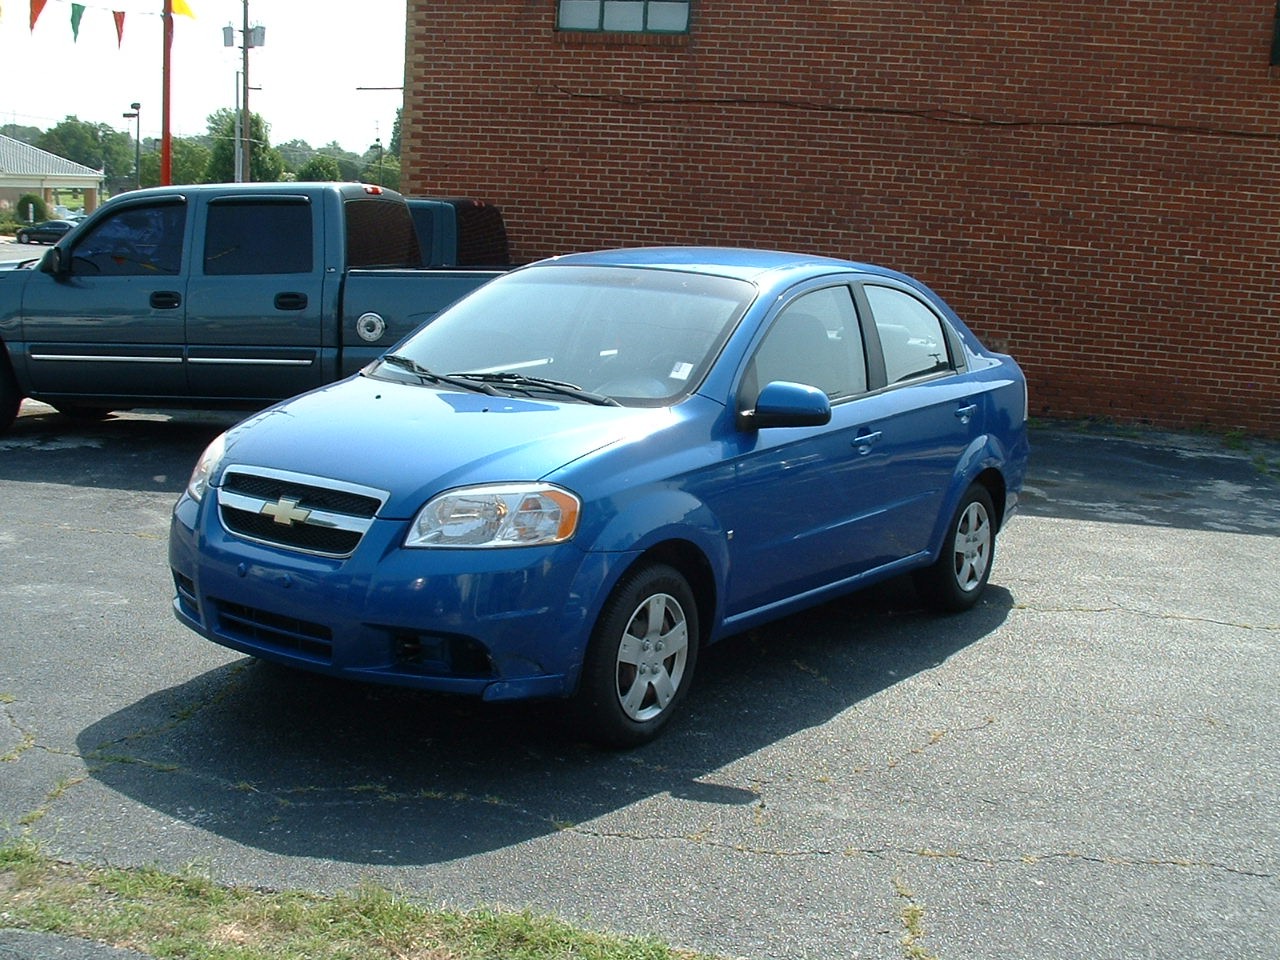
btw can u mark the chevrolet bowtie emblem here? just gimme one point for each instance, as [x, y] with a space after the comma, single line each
[286, 511]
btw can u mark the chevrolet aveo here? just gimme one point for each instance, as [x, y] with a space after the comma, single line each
[572, 480]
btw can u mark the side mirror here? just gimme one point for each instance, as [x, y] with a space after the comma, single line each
[55, 262]
[783, 404]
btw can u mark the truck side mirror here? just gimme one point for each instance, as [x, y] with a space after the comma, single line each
[55, 263]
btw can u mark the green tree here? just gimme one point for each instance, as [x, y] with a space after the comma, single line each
[94, 145]
[20, 132]
[31, 208]
[393, 147]
[348, 162]
[320, 167]
[265, 163]
[381, 168]
[295, 154]
[189, 161]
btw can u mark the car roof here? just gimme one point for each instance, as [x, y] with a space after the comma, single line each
[757, 266]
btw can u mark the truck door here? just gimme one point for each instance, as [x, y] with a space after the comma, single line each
[110, 321]
[254, 319]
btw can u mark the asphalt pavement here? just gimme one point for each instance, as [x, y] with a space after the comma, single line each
[1078, 768]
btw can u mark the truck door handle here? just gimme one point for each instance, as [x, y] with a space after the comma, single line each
[166, 299]
[291, 301]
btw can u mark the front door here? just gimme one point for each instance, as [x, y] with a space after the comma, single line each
[112, 323]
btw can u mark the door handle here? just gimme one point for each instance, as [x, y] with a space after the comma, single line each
[166, 299]
[965, 414]
[291, 301]
[864, 441]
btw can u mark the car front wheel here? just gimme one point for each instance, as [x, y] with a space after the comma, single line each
[956, 580]
[640, 660]
[22, 238]
[10, 399]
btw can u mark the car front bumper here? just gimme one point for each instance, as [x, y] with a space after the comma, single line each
[495, 623]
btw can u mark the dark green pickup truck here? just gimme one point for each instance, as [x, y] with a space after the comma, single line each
[232, 294]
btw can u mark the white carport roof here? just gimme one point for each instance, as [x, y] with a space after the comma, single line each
[24, 167]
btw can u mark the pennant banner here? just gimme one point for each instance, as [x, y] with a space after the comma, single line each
[179, 7]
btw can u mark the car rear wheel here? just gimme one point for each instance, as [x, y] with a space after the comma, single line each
[640, 660]
[22, 238]
[956, 580]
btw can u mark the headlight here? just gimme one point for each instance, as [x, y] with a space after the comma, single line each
[501, 515]
[206, 466]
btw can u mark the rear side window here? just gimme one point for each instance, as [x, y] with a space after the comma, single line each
[380, 234]
[244, 237]
[911, 335]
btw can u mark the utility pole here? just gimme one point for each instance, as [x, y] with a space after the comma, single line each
[249, 38]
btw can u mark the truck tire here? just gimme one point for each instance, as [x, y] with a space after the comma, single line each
[10, 399]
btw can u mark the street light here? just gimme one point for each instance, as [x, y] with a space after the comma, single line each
[137, 140]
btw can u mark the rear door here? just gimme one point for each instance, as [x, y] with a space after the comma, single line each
[927, 412]
[254, 301]
[113, 323]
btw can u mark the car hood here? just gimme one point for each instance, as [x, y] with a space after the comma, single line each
[413, 441]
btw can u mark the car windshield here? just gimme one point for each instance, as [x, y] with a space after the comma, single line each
[639, 337]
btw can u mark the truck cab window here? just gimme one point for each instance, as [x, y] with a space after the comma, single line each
[136, 241]
[380, 234]
[258, 238]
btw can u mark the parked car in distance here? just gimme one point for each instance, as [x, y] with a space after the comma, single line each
[47, 231]
[578, 476]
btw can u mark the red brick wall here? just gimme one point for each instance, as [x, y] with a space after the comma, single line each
[1093, 184]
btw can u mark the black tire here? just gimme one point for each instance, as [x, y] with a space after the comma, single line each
[956, 580]
[10, 399]
[22, 238]
[640, 660]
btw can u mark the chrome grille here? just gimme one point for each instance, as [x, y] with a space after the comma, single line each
[295, 511]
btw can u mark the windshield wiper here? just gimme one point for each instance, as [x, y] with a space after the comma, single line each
[560, 388]
[472, 384]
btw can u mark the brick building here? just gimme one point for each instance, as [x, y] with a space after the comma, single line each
[1093, 184]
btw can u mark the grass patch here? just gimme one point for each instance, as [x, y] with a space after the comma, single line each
[189, 917]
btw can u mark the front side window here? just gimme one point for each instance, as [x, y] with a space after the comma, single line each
[815, 341]
[911, 335]
[244, 237]
[624, 16]
[135, 241]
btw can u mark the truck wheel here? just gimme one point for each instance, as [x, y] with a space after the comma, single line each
[640, 661]
[10, 399]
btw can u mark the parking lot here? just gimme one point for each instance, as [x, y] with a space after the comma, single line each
[1079, 768]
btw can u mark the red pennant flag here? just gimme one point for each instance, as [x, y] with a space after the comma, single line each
[36, 7]
[118, 15]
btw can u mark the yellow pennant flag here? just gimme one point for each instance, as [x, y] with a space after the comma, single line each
[183, 9]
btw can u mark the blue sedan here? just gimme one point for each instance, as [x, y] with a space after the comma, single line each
[573, 480]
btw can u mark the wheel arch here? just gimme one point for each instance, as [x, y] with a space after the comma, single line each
[687, 559]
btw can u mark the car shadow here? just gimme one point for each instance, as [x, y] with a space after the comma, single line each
[301, 765]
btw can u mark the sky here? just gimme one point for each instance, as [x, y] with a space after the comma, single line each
[315, 56]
